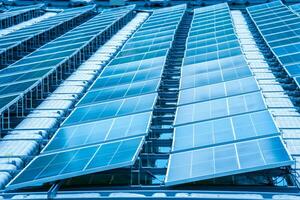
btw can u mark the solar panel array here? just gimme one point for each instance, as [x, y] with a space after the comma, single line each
[14, 43]
[282, 36]
[15, 16]
[31, 70]
[107, 128]
[222, 126]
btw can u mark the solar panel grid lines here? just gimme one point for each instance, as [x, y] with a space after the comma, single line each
[202, 164]
[226, 130]
[140, 56]
[219, 108]
[121, 107]
[222, 126]
[216, 91]
[122, 91]
[103, 131]
[75, 162]
[219, 96]
[128, 78]
[65, 55]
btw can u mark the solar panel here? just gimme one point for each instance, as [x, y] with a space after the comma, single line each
[111, 109]
[18, 15]
[213, 65]
[120, 92]
[134, 66]
[127, 78]
[141, 56]
[295, 7]
[214, 77]
[225, 160]
[219, 90]
[155, 47]
[151, 41]
[224, 130]
[76, 162]
[99, 131]
[218, 108]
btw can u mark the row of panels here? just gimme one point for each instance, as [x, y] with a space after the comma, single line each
[18, 15]
[222, 126]
[27, 73]
[221, 122]
[107, 128]
[13, 39]
[283, 36]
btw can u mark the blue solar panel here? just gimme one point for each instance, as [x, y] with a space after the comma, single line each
[225, 130]
[295, 7]
[107, 127]
[225, 160]
[99, 131]
[127, 78]
[111, 109]
[120, 92]
[214, 65]
[76, 162]
[214, 77]
[9, 41]
[219, 90]
[133, 66]
[219, 108]
[141, 56]
[147, 48]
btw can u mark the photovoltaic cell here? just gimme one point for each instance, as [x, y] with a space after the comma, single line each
[133, 66]
[232, 62]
